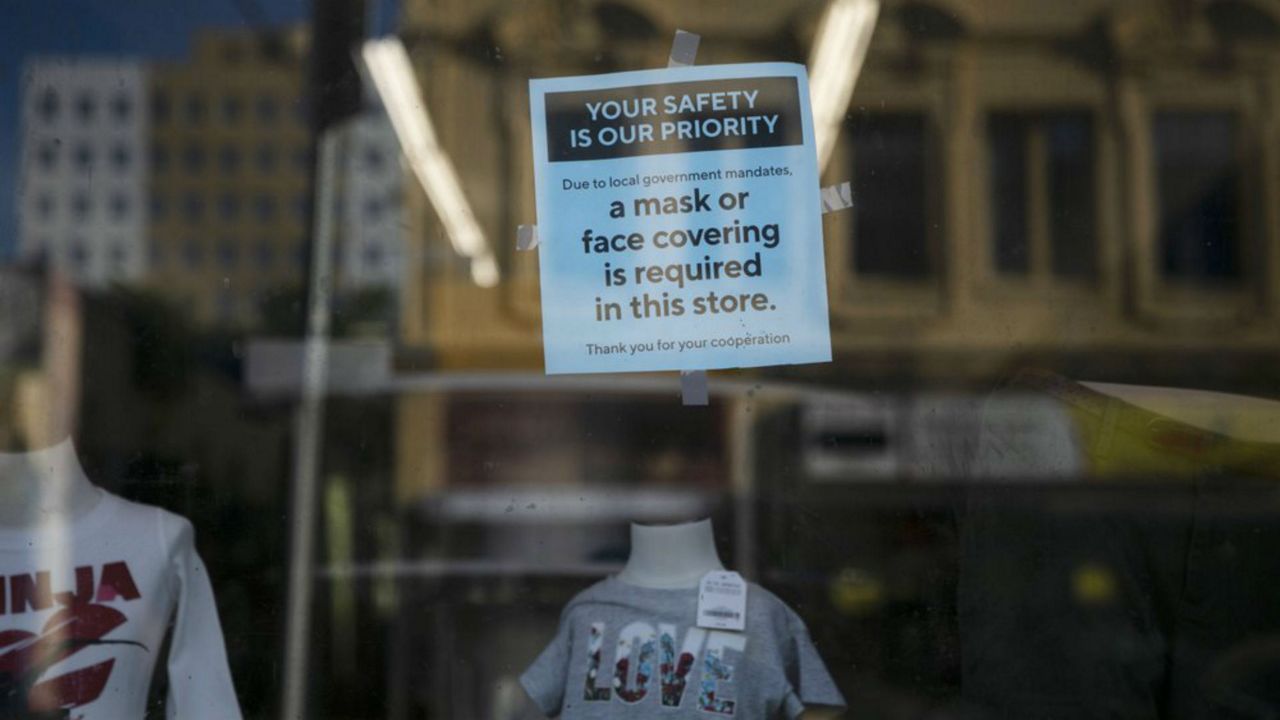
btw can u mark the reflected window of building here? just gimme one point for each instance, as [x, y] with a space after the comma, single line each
[48, 105]
[265, 207]
[895, 221]
[192, 253]
[1042, 197]
[228, 206]
[84, 156]
[121, 157]
[193, 207]
[159, 158]
[81, 205]
[372, 256]
[157, 252]
[193, 158]
[119, 206]
[227, 253]
[1198, 171]
[264, 254]
[47, 155]
[267, 108]
[119, 254]
[159, 206]
[231, 109]
[373, 158]
[159, 106]
[85, 107]
[266, 159]
[229, 159]
[79, 253]
[121, 107]
[44, 206]
[302, 207]
[195, 109]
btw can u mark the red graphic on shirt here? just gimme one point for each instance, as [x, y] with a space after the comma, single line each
[82, 623]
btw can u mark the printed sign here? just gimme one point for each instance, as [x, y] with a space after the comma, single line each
[679, 220]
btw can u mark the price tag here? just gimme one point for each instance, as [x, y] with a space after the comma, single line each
[722, 601]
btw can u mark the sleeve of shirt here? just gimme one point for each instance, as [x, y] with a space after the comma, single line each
[199, 677]
[545, 679]
[810, 683]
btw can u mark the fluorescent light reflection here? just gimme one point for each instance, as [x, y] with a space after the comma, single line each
[392, 74]
[839, 49]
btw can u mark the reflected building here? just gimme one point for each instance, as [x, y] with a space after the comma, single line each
[1078, 185]
[1084, 187]
[231, 160]
[83, 172]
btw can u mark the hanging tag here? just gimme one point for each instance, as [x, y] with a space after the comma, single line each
[722, 601]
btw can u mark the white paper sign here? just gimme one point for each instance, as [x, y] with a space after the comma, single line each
[679, 220]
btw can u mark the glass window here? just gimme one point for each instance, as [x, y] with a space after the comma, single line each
[160, 106]
[232, 108]
[893, 183]
[48, 105]
[228, 206]
[195, 109]
[86, 107]
[192, 254]
[159, 158]
[1198, 171]
[986, 303]
[121, 107]
[265, 254]
[81, 206]
[193, 207]
[48, 154]
[121, 157]
[264, 206]
[84, 157]
[266, 159]
[159, 206]
[229, 159]
[1042, 193]
[119, 206]
[228, 253]
[268, 107]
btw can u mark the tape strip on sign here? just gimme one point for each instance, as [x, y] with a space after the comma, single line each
[693, 387]
[837, 197]
[684, 49]
[526, 237]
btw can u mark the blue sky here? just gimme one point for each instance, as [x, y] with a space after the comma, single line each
[102, 28]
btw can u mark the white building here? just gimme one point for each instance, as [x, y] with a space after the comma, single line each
[83, 172]
[371, 246]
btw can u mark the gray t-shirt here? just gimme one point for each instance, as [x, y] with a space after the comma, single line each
[624, 651]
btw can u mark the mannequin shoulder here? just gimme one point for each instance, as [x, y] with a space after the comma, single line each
[171, 528]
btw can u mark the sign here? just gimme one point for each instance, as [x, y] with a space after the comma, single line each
[679, 220]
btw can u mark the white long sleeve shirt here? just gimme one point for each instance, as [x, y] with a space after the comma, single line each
[84, 608]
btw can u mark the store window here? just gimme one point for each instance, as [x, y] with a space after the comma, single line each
[423, 360]
[1202, 229]
[894, 179]
[1043, 194]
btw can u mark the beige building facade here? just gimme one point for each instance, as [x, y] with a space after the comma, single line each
[1032, 179]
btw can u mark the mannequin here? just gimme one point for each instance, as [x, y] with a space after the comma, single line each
[669, 557]
[95, 585]
[45, 486]
[631, 644]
